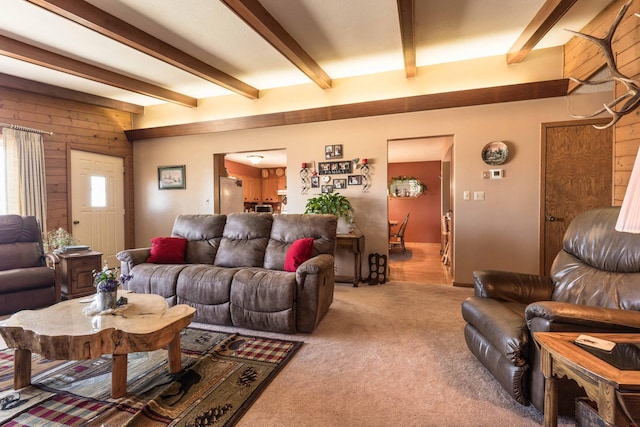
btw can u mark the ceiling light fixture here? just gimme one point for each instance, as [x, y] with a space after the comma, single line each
[255, 159]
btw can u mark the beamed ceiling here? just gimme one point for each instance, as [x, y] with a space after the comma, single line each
[128, 54]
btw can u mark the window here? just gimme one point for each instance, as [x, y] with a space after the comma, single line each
[98, 191]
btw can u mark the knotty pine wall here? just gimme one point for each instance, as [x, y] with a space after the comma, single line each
[75, 126]
[582, 59]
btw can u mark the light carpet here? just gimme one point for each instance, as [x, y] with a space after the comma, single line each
[388, 355]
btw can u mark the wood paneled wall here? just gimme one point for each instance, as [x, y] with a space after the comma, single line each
[583, 59]
[74, 126]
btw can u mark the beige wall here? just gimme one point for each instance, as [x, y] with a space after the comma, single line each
[501, 232]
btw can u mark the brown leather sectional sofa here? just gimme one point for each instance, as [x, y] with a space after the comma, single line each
[594, 287]
[234, 271]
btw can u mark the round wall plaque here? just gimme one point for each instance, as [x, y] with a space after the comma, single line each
[265, 173]
[495, 153]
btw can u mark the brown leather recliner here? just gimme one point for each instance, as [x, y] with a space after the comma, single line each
[27, 279]
[594, 287]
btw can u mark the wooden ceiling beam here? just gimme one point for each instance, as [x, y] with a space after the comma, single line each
[406, 12]
[34, 55]
[96, 19]
[436, 101]
[548, 15]
[258, 18]
[26, 85]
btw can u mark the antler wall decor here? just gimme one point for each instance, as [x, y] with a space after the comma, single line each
[630, 100]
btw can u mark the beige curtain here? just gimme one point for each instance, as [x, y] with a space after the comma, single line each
[26, 185]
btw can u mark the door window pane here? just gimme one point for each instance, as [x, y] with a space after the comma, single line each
[98, 192]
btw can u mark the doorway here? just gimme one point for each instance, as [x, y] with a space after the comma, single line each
[424, 158]
[577, 175]
[97, 202]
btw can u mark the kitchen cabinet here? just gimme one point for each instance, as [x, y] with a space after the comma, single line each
[251, 188]
[270, 189]
[76, 273]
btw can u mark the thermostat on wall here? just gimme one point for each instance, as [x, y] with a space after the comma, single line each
[496, 173]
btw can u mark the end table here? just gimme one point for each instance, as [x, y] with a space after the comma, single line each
[76, 273]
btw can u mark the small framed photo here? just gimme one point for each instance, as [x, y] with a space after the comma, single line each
[344, 167]
[171, 177]
[339, 184]
[315, 181]
[328, 152]
[326, 189]
[355, 179]
[324, 168]
[337, 151]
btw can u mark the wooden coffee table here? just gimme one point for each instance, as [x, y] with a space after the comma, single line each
[560, 357]
[63, 332]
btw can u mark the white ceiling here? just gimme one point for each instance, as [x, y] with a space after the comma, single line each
[345, 38]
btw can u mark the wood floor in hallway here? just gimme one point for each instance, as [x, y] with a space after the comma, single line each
[420, 264]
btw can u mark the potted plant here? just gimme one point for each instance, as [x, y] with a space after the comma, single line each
[56, 239]
[335, 204]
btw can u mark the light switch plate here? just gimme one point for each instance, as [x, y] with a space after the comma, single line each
[478, 195]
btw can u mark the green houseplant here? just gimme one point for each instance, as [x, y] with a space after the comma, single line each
[56, 239]
[335, 204]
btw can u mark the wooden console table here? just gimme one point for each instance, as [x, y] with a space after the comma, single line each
[353, 242]
[560, 357]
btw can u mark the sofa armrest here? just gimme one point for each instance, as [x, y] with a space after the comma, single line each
[314, 294]
[131, 257]
[510, 286]
[52, 261]
[555, 316]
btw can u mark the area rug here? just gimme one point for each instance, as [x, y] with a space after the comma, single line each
[222, 375]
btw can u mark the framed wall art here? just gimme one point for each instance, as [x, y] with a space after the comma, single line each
[339, 184]
[355, 179]
[335, 168]
[333, 151]
[171, 177]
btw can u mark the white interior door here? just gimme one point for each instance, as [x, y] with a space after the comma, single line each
[97, 207]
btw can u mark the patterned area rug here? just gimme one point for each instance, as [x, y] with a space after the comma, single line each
[222, 376]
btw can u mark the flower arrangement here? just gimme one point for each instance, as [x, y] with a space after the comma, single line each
[107, 279]
[56, 239]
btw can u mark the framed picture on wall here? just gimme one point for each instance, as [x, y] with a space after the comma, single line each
[326, 189]
[171, 177]
[355, 179]
[339, 184]
[315, 181]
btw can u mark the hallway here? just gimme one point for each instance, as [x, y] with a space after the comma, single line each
[420, 264]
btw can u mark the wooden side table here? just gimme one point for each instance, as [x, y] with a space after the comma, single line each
[76, 273]
[354, 243]
[560, 357]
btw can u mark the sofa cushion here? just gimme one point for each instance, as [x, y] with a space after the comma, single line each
[244, 240]
[24, 279]
[264, 299]
[299, 251]
[207, 288]
[167, 250]
[20, 255]
[203, 233]
[161, 279]
[288, 228]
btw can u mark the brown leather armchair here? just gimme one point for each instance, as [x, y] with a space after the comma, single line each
[28, 278]
[594, 287]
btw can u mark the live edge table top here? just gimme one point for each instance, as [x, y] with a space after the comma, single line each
[63, 332]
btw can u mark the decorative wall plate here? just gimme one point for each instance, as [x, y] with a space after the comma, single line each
[265, 173]
[279, 172]
[495, 153]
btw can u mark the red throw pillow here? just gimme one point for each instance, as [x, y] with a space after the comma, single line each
[167, 250]
[299, 251]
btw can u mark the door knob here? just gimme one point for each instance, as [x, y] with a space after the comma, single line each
[76, 222]
[552, 218]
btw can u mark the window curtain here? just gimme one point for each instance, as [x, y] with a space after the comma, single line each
[26, 184]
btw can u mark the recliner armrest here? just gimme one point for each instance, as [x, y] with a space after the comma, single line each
[131, 257]
[511, 286]
[558, 316]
